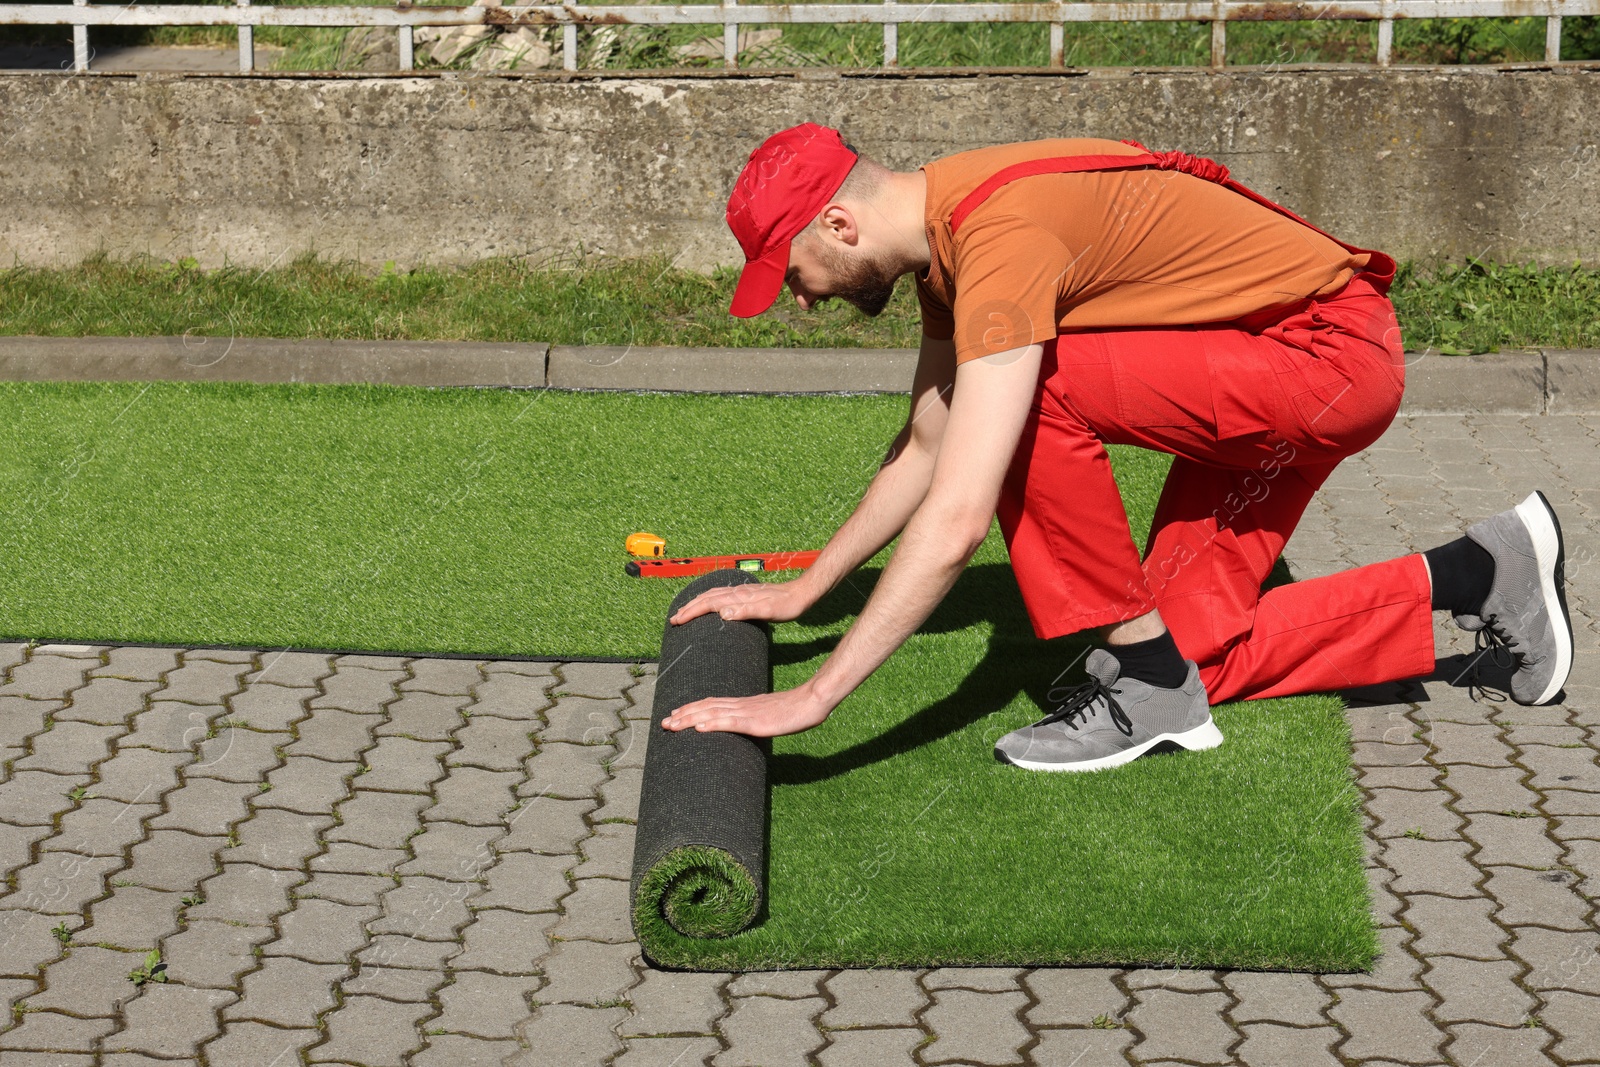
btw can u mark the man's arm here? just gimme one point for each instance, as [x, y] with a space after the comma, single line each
[896, 490]
[988, 410]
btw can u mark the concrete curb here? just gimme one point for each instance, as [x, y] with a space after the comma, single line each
[1531, 382]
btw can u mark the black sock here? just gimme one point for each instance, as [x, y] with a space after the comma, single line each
[1156, 661]
[1463, 574]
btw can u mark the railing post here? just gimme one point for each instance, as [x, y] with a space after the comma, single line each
[1058, 44]
[247, 45]
[408, 50]
[569, 46]
[1219, 37]
[730, 40]
[80, 43]
[891, 41]
[1385, 41]
[1552, 39]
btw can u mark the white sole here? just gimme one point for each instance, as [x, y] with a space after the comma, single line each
[1202, 737]
[1537, 519]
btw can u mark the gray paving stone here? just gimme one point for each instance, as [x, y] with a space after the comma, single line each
[46, 677]
[204, 806]
[307, 785]
[14, 991]
[1490, 789]
[1419, 778]
[35, 798]
[608, 852]
[429, 908]
[484, 1005]
[582, 720]
[974, 1027]
[642, 697]
[1537, 898]
[1502, 839]
[334, 734]
[1558, 959]
[1553, 768]
[546, 824]
[1271, 1045]
[453, 851]
[507, 942]
[673, 1052]
[1400, 811]
[101, 827]
[678, 1002]
[451, 676]
[1576, 1018]
[61, 883]
[246, 1044]
[526, 668]
[26, 943]
[55, 1033]
[1438, 867]
[983, 979]
[139, 1059]
[372, 1032]
[1179, 979]
[21, 718]
[1187, 1026]
[69, 748]
[287, 992]
[600, 680]
[89, 982]
[1462, 742]
[588, 972]
[1069, 996]
[1473, 990]
[791, 984]
[451, 1050]
[565, 1034]
[172, 726]
[213, 954]
[1459, 927]
[109, 701]
[244, 893]
[632, 741]
[358, 689]
[1083, 1048]
[136, 775]
[598, 910]
[475, 797]
[133, 917]
[346, 888]
[370, 662]
[424, 716]
[491, 743]
[321, 931]
[620, 796]
[237, 755]
[1520, 1047]
[391, 952]
[202, 681]
[1387, 1025]
[292, 668]
[771, 1032]
[1577, 827]
[221, 655]
[869, 1048]
[271, 707]
[1583, 857]
[279, 839]
[136, 663]
[170, 1020]
[1571, 802]
[1291, 999]
[403, 765]
[343, 857]
[378, 820]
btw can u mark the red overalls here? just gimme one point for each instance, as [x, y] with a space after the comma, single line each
[1257, 414]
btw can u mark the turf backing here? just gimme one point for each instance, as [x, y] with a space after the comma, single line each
[490, 523]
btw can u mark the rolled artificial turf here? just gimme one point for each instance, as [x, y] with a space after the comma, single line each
[491, 523]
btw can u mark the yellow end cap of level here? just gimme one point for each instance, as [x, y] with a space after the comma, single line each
[646, 544]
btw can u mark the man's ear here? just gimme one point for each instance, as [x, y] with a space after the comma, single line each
[839, 223]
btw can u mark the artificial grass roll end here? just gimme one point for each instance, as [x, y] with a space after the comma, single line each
[700, 852]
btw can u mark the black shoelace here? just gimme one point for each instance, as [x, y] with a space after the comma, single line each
[1078, 702]
[1489, 642]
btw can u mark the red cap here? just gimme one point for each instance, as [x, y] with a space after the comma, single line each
[787, 181]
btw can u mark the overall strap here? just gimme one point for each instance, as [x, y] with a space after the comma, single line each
[1380, 265]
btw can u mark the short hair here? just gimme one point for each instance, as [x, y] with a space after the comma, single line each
[866, 178]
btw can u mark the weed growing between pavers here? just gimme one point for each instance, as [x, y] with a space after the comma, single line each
[491, 522]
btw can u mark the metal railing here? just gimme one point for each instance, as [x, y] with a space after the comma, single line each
[80, 15]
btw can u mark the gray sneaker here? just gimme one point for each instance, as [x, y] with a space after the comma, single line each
[1526, 612]
[1106, 723]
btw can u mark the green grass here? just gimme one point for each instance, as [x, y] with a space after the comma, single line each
[491, 522]
[1470, 307]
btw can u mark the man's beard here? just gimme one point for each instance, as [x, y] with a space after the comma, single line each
[867, 282]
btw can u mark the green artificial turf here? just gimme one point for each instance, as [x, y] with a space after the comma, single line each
[491, 523]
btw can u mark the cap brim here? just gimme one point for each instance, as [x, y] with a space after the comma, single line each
[760, 283]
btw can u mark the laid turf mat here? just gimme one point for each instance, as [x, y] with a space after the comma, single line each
[700, 852]
[491, 523]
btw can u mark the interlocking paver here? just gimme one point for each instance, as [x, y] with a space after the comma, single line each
[1503, 839]
[473, 796]
[1471, 990]
[170, 1020]
[245, 893]
[1576, 1017]
[868, 998]
[21, 718]
[109, 701]
[246, 1044]
[202, 681]
[1397, 967]
[204, 806]
[1083, 1048]
[429, 908]
[491, 743]
[1480, 1044]
[1537, 898]
[390, 952]
[424, 716]
[527, 882]
[413, 984]
[69, 747]
[597, 910]
[321, 931]
[1559, 959]
[404, 765]
[792, 984]
[53, 1032]
[61, 883]
[334, 734]
[453, 851]
[1439, 867]
[454, 676]
[620, 795]
[173, 859]
[771, 1032]
[35, 798]
[213, 954]
[1553, 768]
[101, 827]
[1186, 1026]
[28, 943]
[869, 1048]
[600, 680]
[171, 725]
[563, 1033]
[372, 1032]
[1401, 811]
[345, 857]
[287, 992]
[484, 1005]
[132, 917]
[1387, 1025]
[668, 1002]
[673, 1052]
[1490, 789]
[358, 689]
[46, 677]
[520, 697]
[306, 785]
[1291, 999]
[88, 981]
[547, 824]
[271, 707]
[278, 839]
[237, 755]
[454, 1050]
[588, 972]
[292, 668]
[1460, 927]
[378, 820]
[137, 775]
[346, 888]
[973, 1027]
[1271, 1045]
[508, 942]
[137, 663]
[582, 720]
[607, 853]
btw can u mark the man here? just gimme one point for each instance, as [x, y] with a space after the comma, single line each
[1076, 293]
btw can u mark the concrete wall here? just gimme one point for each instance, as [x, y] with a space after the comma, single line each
[448, 168]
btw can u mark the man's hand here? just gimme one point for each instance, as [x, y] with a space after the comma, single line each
[785, 712]
[776, 601]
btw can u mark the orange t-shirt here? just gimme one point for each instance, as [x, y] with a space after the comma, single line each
[1053, 253]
